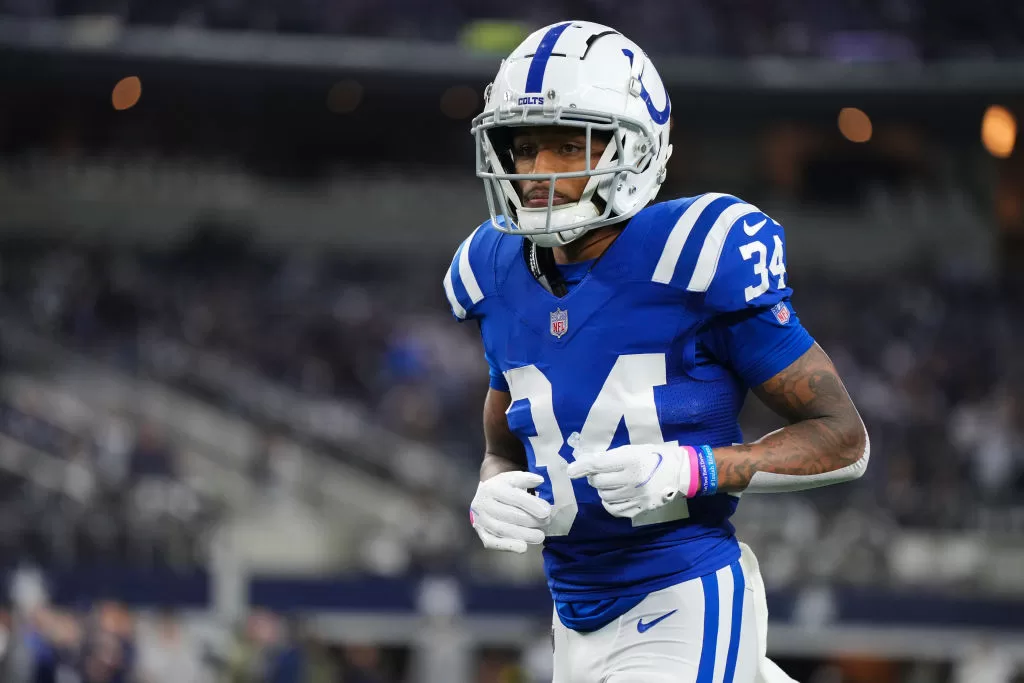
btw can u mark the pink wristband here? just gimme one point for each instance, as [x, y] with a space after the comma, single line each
[694, 486]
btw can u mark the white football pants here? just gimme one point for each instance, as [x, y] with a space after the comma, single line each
[707, 630]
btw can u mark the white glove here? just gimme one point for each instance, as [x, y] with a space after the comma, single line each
[506, 516]
[635, 479]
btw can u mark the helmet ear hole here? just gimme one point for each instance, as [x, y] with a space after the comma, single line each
[501, 142]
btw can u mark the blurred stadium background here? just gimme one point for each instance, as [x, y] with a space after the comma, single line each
[238, 430]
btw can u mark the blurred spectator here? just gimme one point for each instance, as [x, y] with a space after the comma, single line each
[362, 664]
[167, 654]
[284, 469]
[108, 645]
[265, 653]
[276, 466]
[114, 439]
[320, 663]
[7, 642]
[151, 458]
[79, 476]
[54, 643]
[985, 663]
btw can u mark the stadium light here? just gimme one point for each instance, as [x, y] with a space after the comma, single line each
[459, 102]
[854, 124]
[344, 97]
[126, 93]
[998, 131]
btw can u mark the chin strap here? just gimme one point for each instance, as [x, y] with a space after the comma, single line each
[542, 265]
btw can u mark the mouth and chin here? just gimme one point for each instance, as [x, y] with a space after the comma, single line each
[538, 199]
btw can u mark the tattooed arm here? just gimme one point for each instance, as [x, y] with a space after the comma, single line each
[825, 442]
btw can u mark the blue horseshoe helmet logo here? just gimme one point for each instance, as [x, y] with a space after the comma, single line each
[659, 116]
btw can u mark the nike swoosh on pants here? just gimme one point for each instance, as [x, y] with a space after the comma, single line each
[642, 627]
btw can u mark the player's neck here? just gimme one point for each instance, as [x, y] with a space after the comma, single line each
[590, 246]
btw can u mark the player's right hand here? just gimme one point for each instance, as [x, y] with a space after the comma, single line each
[506, 515]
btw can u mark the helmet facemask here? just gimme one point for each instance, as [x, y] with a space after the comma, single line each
[630, 150]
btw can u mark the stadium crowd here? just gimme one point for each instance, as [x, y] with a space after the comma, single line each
[914, 351]
[843, 29]
[117, 495]
[106, 643]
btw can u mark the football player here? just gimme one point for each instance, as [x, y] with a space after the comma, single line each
[623, 336]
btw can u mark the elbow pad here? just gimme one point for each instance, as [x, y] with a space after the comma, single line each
[769, 482]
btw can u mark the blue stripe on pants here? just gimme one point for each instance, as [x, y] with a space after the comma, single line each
[738, 589]
[709, 642]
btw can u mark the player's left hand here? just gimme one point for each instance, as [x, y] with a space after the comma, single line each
[639, 478]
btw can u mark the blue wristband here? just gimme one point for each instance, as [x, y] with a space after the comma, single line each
[708, 471]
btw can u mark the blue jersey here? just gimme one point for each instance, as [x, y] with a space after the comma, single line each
[657, 341]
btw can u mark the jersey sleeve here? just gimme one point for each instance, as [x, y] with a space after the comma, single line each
[758, 343]
[724, 250]
[732, 256]
[470, 277]
[749, 269]
[743, 278]
[497, 381]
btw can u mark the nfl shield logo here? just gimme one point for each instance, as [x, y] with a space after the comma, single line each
[781, 311]
[559, 322]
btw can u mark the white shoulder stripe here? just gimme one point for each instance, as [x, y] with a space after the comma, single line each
[666, 267]
[711, 252]
[466, 271]
[450, 291]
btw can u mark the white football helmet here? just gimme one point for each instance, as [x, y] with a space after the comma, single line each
[583, 75]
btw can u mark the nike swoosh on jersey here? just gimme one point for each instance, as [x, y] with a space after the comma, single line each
[641, 627]
[753, 229]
